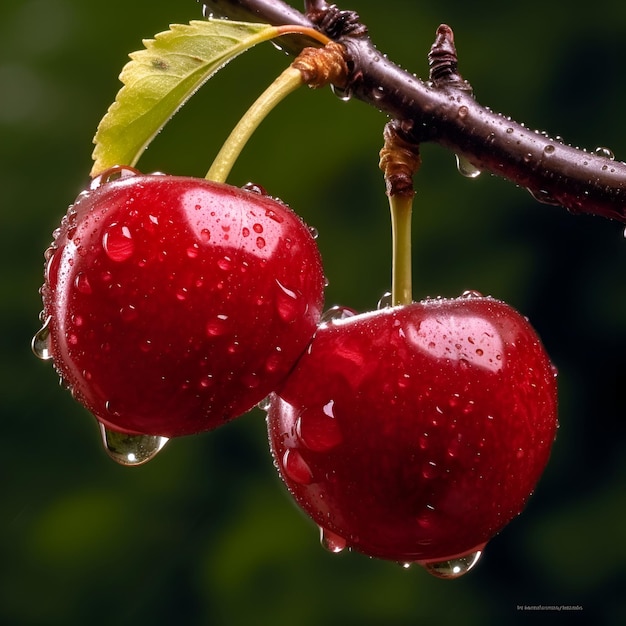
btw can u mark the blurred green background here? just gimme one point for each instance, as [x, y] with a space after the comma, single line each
[206, 534]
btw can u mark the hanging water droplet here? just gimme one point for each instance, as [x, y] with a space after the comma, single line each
[332, 541]
[131, 450]
[40, 344]
[265, 404]
[343, 94]
[385, 301]
[466, 168]
[313, 232]
[607, 153]
[337, 313]
[453, 568]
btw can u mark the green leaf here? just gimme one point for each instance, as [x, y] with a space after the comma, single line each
[160, 79]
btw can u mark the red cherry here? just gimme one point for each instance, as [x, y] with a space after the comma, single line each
[416, 433]
[174, 304]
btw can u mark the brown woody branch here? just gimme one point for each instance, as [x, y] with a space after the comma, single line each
[443, 110]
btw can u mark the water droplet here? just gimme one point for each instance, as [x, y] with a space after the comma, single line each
[471, 293]
[205, 235]
[385, 301]
[288, 303]
[217, 326]
[607, 153]
[274, 361]
[313, 232]
[117, 242]
[114, 173]
[454, 447]
[337, 313]
[378, 93]
[131, 450]
[343, 94]
[82, 284]
[40, 344]
[255, 188]
[225, 263]
[543, 196]
[463, 111]
[266, 403]
[193, 251]
[318, 429]
[466, 168]
[549, 149]
[296, 468]
[332, 541]
[128, 313]
[206, 382]
[260, 243]
[453, 568]
[430, 470]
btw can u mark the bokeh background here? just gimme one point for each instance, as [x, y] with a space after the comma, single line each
[205, 533]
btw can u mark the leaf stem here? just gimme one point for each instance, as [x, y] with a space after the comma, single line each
[286, 83]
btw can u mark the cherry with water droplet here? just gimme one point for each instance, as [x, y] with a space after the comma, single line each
[152, 289]
[399, 430]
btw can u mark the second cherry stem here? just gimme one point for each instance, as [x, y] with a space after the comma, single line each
[399, 161]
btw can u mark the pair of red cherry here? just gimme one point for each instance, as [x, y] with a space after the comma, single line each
[415, 433]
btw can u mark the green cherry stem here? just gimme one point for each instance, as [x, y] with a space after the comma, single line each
[399, 160]
[313, 66]
[286, 83]
[401, 207]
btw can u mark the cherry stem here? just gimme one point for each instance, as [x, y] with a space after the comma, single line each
[315, 67]
[399, 161]
[286, 83]
[401, 279]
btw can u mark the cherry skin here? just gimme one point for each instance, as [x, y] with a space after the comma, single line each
[174, 304]
[416, 433]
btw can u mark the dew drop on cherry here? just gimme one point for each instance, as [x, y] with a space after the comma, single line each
[296, 468]
[118, 243]
[265, 404]
[131, 450]
[82, 284]
[453, 568]
[40, 344]
[471, 293]
[287, 303]
[317, 428]
[385, 301]
[114, 173]
[217, 326]
[337, 313]
[332, 541]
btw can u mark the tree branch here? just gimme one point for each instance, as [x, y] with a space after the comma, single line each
[443, 110]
